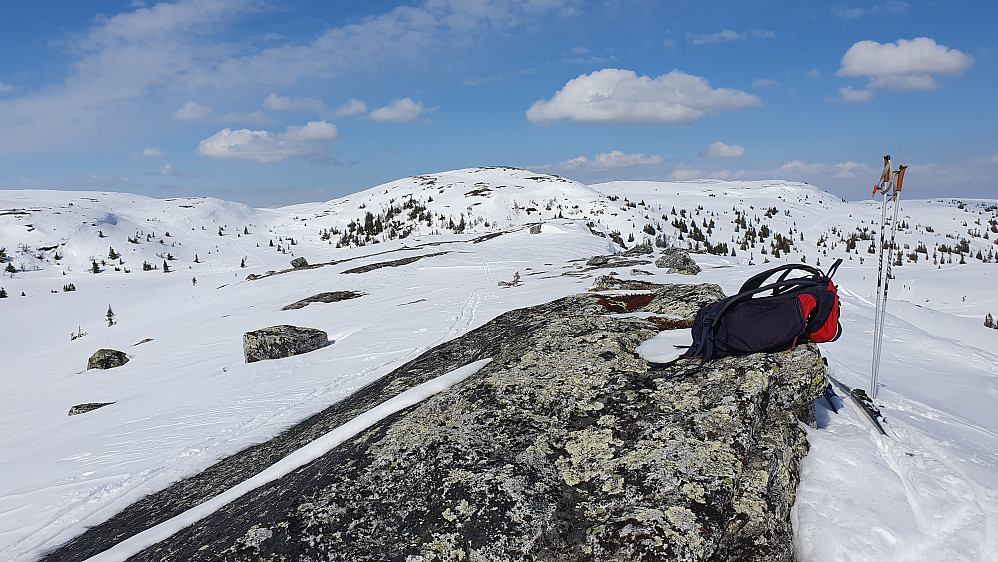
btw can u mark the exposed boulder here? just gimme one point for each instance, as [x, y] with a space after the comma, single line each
[535, 228]
[333, 296]
[567, 446]
[299, 263]
[678, 260]
[276, 342]
[107, 359]
[88, 407]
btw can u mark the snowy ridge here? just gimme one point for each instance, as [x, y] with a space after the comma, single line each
[187, 398]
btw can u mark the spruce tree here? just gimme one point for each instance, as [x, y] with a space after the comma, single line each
[166, 267]
[110, 317]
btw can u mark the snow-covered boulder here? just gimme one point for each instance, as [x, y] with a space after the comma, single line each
[107, 359]
[277, 342]
[678, 260]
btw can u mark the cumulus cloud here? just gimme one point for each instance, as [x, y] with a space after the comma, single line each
[275, 102]
[152, 151]
[192, 111]
[904, 65]
[849, 95]
[296, 143]
[721, 150]
[400, 111]
[614, 95]
[608, 161]
[350, 107]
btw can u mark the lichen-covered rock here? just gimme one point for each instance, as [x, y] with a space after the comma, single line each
[299, 263]
[535, 228]
[88, 407]
[567, 446]
[276, 342]
[332, 296]
[107, 359]
[678, 260]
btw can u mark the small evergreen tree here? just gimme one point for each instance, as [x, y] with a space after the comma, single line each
[3, 293]
[989, 321]
[242, 263]
[110, 317]
[196, 259]
[111, 255]
[166, 267]
[95, 268]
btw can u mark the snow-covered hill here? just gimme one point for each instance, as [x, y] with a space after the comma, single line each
[186, 398]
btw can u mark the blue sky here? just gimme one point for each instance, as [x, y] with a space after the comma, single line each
[274, 102]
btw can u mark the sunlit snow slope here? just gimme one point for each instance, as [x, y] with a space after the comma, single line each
[187, 399]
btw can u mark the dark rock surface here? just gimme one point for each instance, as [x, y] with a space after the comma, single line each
[566, 447]
[535, 228]
[678, 260]
[88, 407]
[107, 359]
[392, 263]
[333, 296]
[299, 263]
[281, 341]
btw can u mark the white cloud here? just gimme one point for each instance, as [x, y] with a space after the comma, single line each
[891, 7]
[726, 35]
[296, 143]
[6, 87]
[152, 151]
[130, 63]
[169, 170]
[721, 150]
[275, 102]
[841, 170]
[192, 111]
[764, 83]
[614, 95]
[722, 36]
[400, 111]
[855, 96]
[350, 107]
[608, 161]
[905, 65]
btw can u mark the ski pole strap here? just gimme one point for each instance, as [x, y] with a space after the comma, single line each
[833, 268]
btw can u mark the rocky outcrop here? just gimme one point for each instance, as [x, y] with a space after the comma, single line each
[299, 263]
[567, 446]
[88, 407]
[535, 228]
[332, 296]
[678, 260]
[107, 359]
[277, 342]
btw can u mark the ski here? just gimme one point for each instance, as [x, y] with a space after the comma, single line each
[862, 403]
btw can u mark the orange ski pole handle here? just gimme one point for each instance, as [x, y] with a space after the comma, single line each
[900, 178]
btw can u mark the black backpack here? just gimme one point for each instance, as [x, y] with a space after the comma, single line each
[796, 309]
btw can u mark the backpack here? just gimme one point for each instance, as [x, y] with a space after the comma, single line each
[796, 309]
